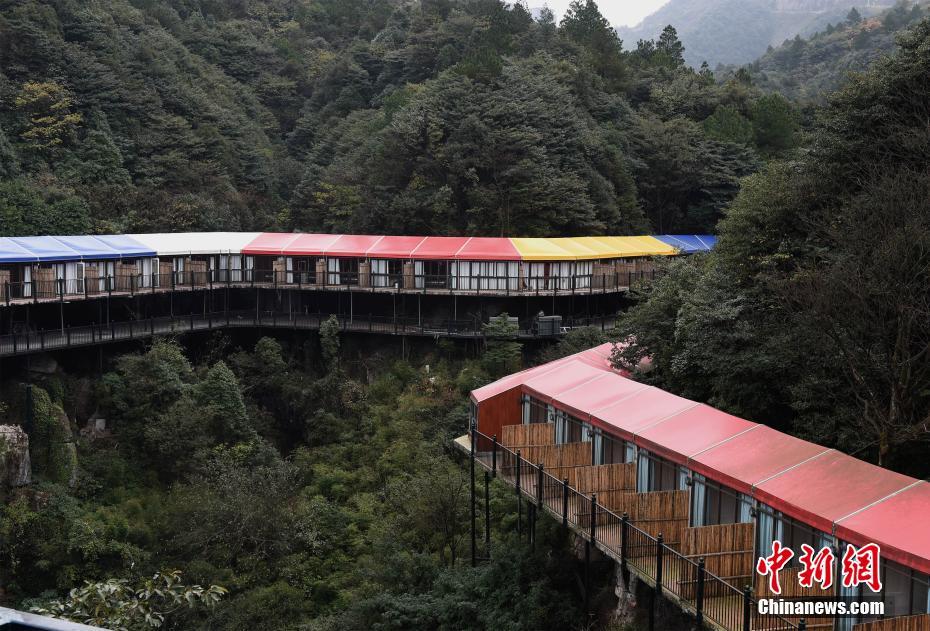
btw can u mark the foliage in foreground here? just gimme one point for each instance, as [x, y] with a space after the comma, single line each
[115, 604]
[315, 499]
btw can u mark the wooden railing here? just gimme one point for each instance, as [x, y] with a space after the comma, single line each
[714, 602]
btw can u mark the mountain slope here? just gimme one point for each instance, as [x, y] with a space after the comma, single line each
[740, 31]
[806, 70]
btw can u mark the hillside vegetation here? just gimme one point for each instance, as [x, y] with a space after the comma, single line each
[447, 116]
[807, 69]
[739, 31]
[812, 314]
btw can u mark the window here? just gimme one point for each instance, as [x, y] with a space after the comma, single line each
[306, 269]
[583, 271]
[435, 274]
[608, 450]
[791, 533]
[263, 269]
[386, 272]
[713, 504]
[657, 474]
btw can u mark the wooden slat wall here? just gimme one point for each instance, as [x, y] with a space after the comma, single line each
[520, 436]
[727, 550]
[663, 512]
[557, 458]
[904, 623]
[601, 478]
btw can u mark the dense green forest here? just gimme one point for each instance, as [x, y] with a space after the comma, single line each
[813, 312]
[808, 69]
[381, 116]
[308, 482]
[313, 482]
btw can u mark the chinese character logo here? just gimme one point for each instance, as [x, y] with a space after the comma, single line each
[772, 564]
[861, 567]
[816, 568]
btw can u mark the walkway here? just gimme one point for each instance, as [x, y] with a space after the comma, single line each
[93, 335]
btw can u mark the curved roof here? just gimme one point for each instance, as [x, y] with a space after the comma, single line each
[195, 243]
[95, 247]
[70, 248]
[824, 488]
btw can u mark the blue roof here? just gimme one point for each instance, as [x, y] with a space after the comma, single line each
[126, 246]
[70, 248]
[46, 249]
[689, 243]
[88, 247]
[12, 252]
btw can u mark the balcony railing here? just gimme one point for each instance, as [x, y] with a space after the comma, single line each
[132, 284]
[711, 599]
[37, 341]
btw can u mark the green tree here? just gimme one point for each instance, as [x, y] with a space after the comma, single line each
[853, 17]
[46, 107]
[775, 123]
[727, 124]
[145, 604]
[329, 342]
[575, 341]
[27, 209]
[584, 24]
[670, 49]
[502, 351]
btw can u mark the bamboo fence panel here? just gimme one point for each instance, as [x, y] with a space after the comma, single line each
[520, 436]
[727, 550]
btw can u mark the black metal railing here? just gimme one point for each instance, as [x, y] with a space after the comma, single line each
[32, 341]
[92, 286]
[710, 598]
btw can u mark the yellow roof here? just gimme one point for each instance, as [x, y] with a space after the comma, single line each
[587, 248]
[576, 247]
[541, 249]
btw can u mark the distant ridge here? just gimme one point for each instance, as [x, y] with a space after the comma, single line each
[740, 31]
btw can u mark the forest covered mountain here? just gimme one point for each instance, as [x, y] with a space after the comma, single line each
[309, 477]
[807, 69]
[740, 31]
[384, 116]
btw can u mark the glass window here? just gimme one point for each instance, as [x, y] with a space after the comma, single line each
[896, 590]
[919, 594]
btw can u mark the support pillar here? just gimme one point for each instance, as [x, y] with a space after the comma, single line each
[474, 546]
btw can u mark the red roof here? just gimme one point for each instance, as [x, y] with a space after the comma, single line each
[439, 248]
[906, 541]
[641, 411]
[691, 431]
[598, 393]
[352, 245]
[747, 459]
[311, 244]
[508, 383]
[823, 488]
[829, 487]
[395, 247]
[269, 243]
[488, 249]
[550, 384]
[597, 357]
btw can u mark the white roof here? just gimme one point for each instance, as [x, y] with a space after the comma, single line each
[185, 243]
